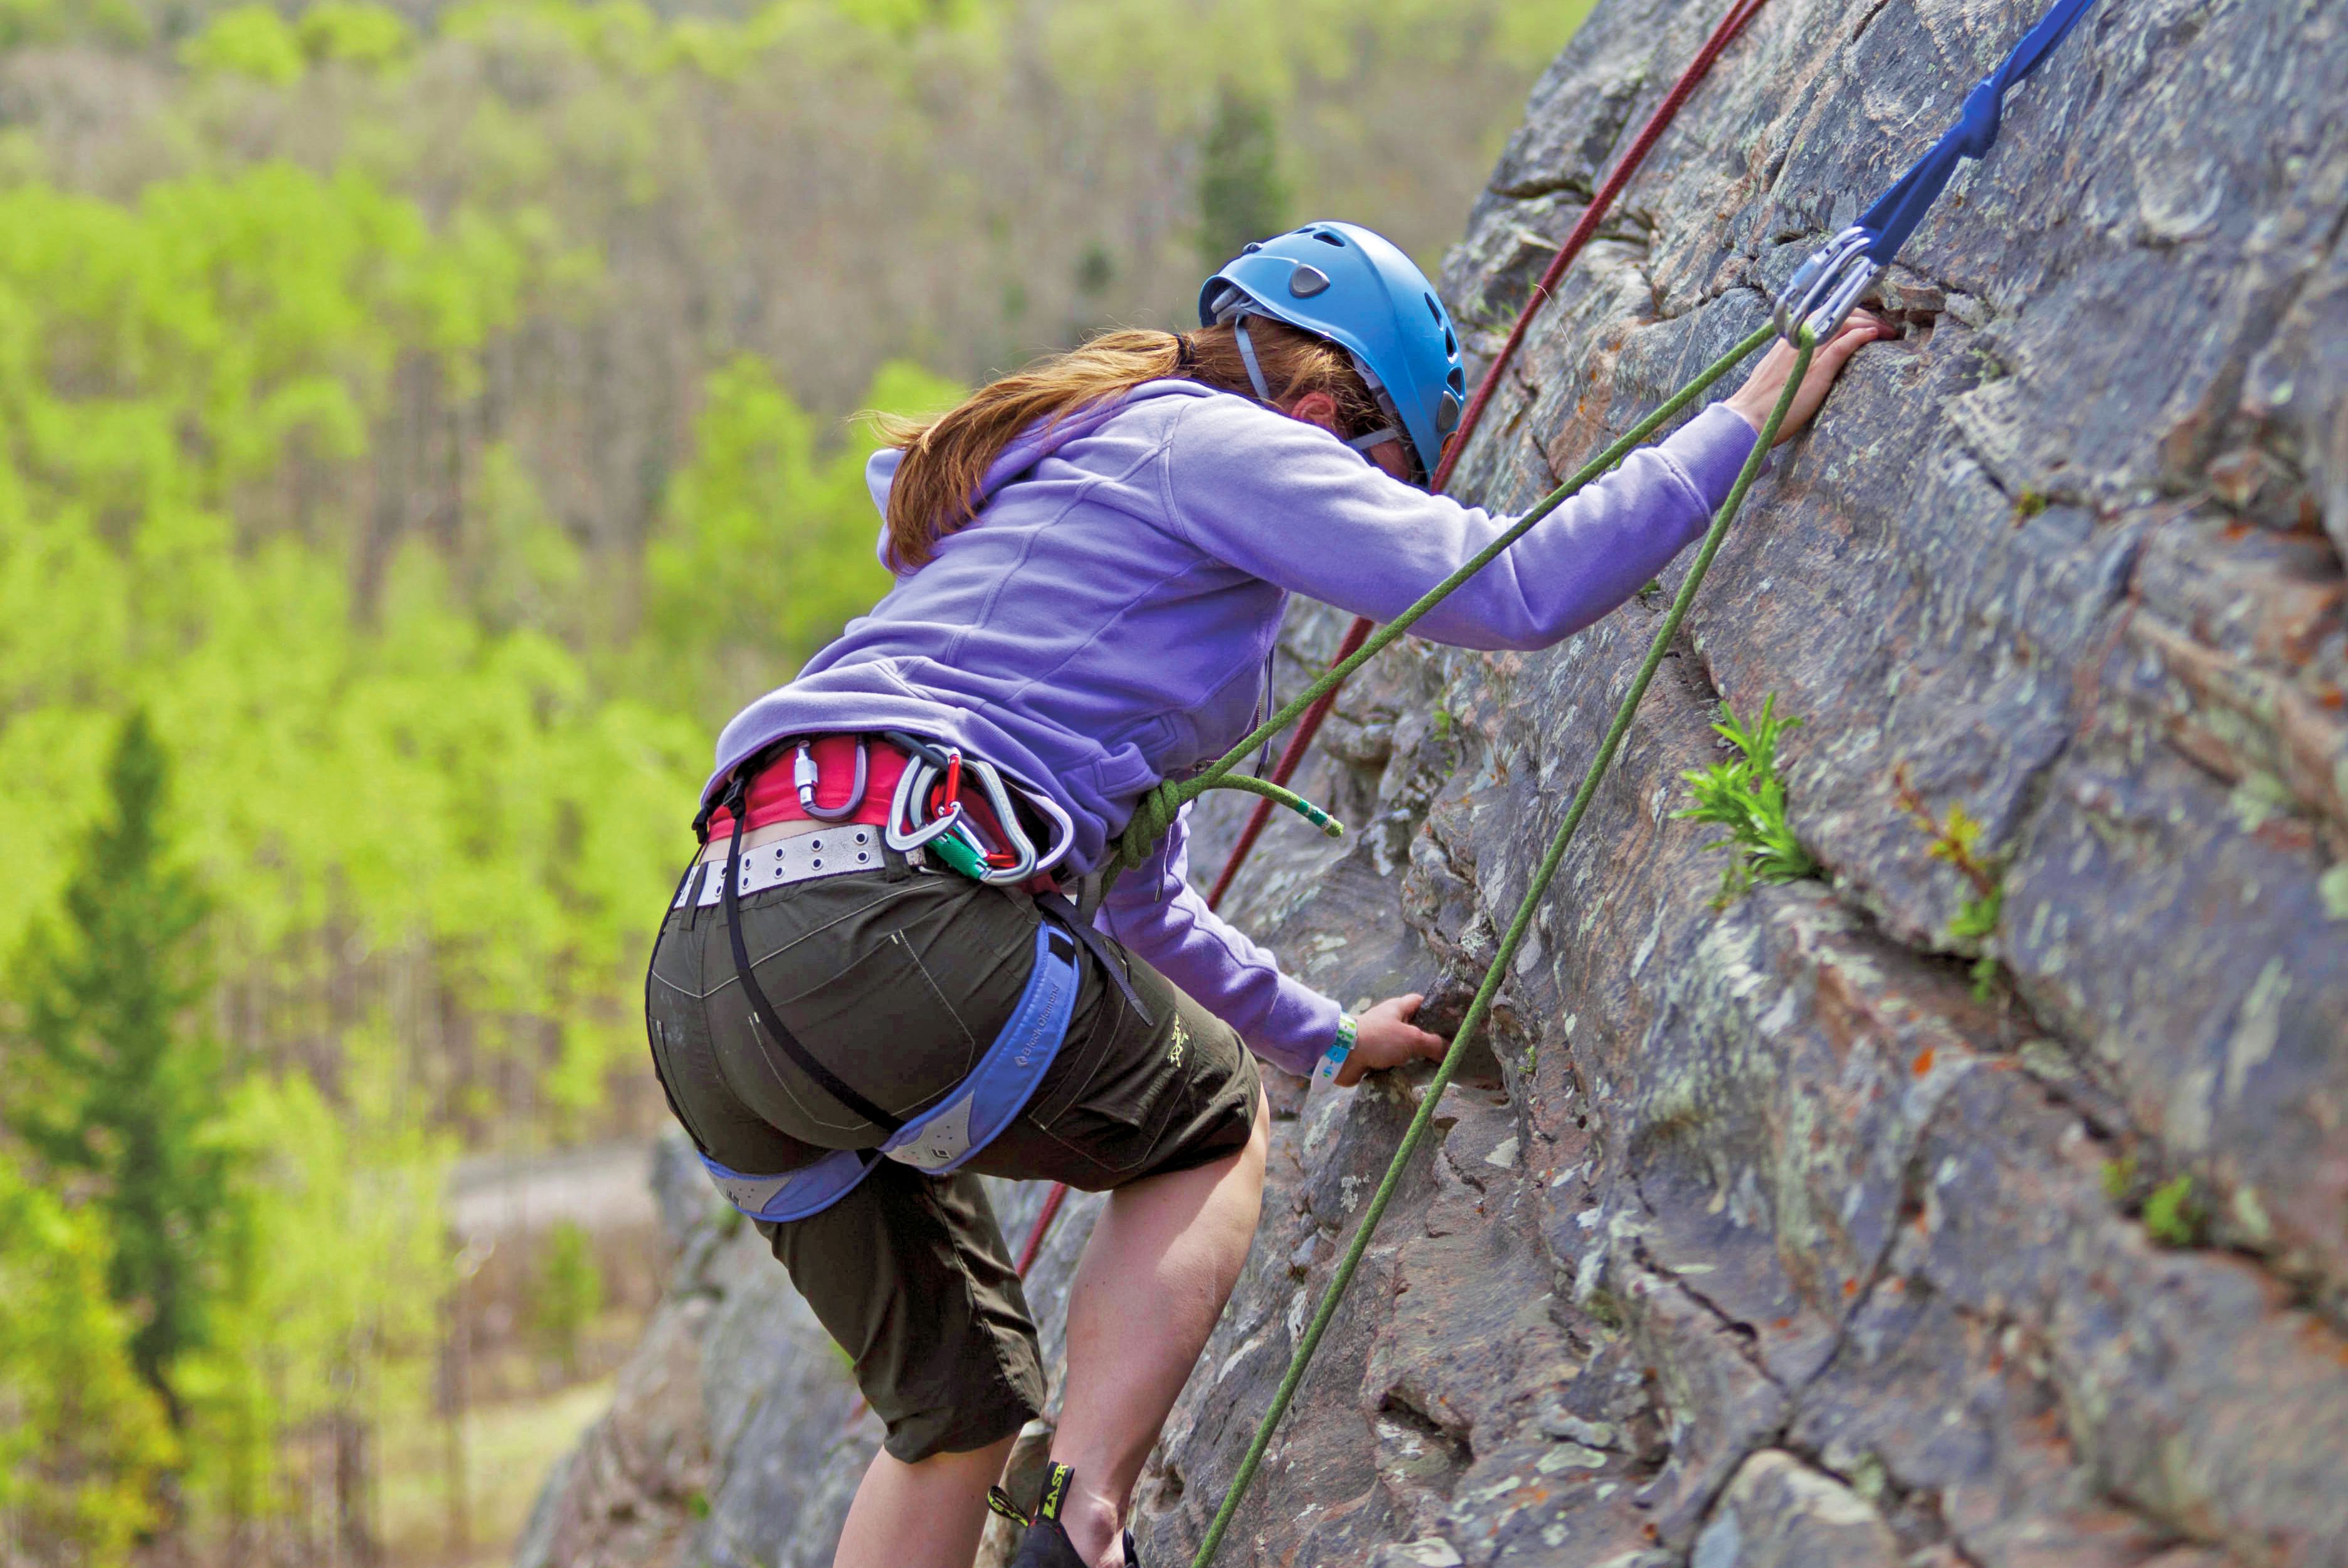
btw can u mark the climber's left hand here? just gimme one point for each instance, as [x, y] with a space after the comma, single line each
[1385, 1037]
[1758, 395]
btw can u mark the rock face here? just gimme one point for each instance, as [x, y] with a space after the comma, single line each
[1786, 1231]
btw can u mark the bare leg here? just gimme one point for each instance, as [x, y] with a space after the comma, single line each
[924, 1515]
[1163, 1258]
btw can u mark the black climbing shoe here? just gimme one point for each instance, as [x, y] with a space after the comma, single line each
[1045, 1543]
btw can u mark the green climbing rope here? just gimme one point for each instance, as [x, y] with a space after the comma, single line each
[1153, 814]
[1482, 1004]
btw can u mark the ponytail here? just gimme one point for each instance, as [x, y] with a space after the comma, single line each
[935, 492]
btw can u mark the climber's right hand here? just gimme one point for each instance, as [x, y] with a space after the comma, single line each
[1385, 1037]
[1754, 399]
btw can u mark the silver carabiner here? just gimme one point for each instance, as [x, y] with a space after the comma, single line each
[805, 775]
[1825, 289]
[912, 786]
[1007, 817]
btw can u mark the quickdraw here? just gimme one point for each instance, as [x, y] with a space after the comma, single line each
[1826, 287]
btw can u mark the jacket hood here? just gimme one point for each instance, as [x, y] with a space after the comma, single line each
[1026, 450]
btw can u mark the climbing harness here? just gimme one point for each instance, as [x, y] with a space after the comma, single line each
[942, 1139]
[975, 1111]
[1826, 287]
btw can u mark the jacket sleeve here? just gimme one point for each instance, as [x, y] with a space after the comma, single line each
[1156, 912]
[1290, 503]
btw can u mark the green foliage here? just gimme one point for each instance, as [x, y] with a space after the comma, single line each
[1241, 197]
[568, 1294]
[1957, 840]
[251, 40]
[121, 22]
[1746, 796]
[2119, 1177]
[760, 490]
[116, 1090]
[2172, 1216]
[83, 1439]
[358, 33]
[335, 1271]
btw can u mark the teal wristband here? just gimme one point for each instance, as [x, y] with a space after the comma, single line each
[1340, 1047]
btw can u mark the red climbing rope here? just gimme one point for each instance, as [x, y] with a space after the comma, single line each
[1044, 1218]
[1308, 725]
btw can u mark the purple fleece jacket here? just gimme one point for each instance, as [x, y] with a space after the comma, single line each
[1104, 621]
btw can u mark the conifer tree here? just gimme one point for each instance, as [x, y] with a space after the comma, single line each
[1241, 196]
[120, 1087]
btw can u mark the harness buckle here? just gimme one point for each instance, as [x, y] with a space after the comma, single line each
[1825, 289]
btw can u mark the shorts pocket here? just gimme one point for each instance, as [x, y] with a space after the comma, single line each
[1114, 1116]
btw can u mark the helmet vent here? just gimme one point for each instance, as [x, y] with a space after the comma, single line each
[1251, 247]
[1326, 238]
[1305, 282]
[1433, 308]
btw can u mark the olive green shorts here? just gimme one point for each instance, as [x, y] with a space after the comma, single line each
[898, 983]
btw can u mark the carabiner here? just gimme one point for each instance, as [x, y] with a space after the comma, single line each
[912, 785]
[804, 776]
[1825, 289]
[952, 794]
[1020, 849]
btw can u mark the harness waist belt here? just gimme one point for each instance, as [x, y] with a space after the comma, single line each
[948, 1136]
[831, 852]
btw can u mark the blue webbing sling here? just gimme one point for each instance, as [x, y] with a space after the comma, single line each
[1825, 288]
[947, 1136]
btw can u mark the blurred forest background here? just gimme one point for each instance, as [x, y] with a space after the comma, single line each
[420, 426]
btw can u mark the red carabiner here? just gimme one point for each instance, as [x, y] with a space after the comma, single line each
[944, 797]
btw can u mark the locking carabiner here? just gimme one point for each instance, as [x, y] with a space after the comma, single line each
[804, 776]
[1825, 289]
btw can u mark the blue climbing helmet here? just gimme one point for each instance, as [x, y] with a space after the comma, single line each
[1355, 288]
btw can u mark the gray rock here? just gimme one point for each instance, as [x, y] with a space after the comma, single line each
[1780, 1514]
[1766, 1233]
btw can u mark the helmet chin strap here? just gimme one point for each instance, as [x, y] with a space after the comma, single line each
[1391, 432]
[1247, 357]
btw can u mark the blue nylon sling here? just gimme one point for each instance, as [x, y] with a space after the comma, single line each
[1899, 210]
[943, 1139]
[1825, 288]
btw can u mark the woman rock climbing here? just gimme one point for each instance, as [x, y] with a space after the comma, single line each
[873, 987]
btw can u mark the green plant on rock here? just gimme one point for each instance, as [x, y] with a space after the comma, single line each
[2119, 1178]
[1746, 796]
[2173, 1216]
[1957, 839]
